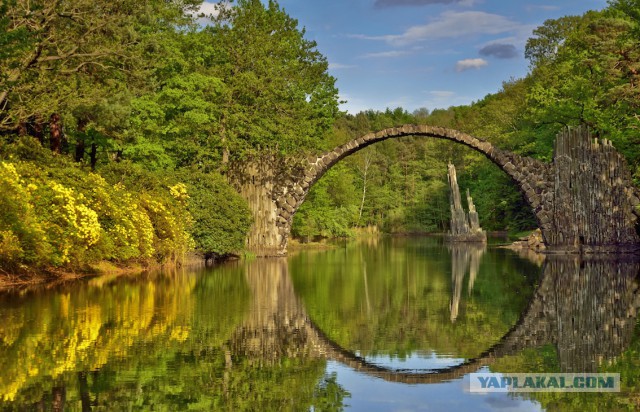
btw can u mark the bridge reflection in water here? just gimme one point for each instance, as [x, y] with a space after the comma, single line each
[258, 333]
[586, 308]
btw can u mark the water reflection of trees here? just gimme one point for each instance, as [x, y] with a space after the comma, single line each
[275, 325]
[586, 309]
[397, 300]
[163, 343]
[239, 339]
[583, 308]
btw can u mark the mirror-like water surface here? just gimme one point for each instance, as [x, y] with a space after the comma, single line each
[381, 324]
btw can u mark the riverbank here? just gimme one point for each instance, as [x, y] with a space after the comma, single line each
[55, 276]
[50, 277]
[297, 245]
[529, 241]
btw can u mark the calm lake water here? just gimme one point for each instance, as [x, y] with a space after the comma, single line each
[389, 324]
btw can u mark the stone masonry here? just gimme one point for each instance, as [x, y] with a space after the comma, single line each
[584, 201]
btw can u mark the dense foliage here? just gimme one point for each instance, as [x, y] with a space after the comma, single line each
[140, 105]
[157, 343]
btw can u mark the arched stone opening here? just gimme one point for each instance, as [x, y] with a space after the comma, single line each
[584, 201]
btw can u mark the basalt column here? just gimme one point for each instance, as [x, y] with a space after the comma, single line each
[474, 220]
[459, 224]
[592, 206]
[464, 227]
[268, 184]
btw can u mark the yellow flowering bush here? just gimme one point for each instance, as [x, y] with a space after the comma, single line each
[10, 248]
[171, 225]
[22, 237]
[67, 217]
[72, 226]
[179, 192]
[128, 232]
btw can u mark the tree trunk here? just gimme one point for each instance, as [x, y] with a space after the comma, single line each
[80, 149]
[93, 155]
[85, 395]
[80, 144]
[3, 97]
[55, 133]
[59, 398]
[35, 127]
[223, 140]
[22, 129]
[225, 155]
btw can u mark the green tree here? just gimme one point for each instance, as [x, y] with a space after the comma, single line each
[274, 79]
[84, 61]
[585, 69]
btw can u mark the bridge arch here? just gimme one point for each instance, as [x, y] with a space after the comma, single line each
[561, 194]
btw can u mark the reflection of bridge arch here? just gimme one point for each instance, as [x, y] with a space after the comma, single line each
[509, 344]
[600, 298]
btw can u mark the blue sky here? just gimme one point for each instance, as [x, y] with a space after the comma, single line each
[424, 53]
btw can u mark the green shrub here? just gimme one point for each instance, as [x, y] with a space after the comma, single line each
[221, 218]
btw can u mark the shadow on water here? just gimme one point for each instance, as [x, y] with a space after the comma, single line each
[261, 333]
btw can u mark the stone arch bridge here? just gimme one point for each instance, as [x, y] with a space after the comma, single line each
[584, 201]
[586, 309]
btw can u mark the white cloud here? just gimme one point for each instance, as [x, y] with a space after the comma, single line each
[469, 64]
[386, 54]
[208, 10]
[442, 94]
[212, 8]
[545, 7]
[451, 24]
[340, 66]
